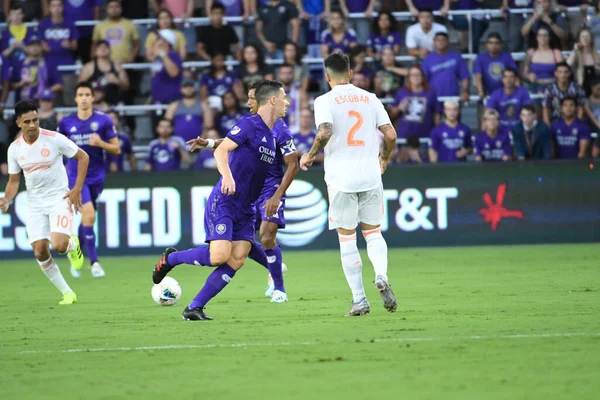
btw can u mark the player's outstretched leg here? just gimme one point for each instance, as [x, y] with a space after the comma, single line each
[51, 270]
[257, 253]
[352, 265]
[215, 282]
[378, 254]
[172, 258]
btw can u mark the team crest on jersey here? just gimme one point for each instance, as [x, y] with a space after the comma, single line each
[94, 125]
[221, 228]
[235, 130]
[45, 152]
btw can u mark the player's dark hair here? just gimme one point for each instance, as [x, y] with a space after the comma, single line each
[511, 69]
[254, 85]
[529, 107]
[568, 98]
[266, 89]
[84, 85]
[217, 6]
[338, 63]
[25, 106]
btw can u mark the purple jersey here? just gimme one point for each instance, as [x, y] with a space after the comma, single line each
[218, 86]
[490, 68]
[304, 142]
[418, 118]
[446, 141]
[433, 5]
[357, 6]
[250, 162]
[379, 42]
[54, 35]
[164, 87]
[509, 106]
[206, 160]
[492, 149]
[233, 8]
[126, 150]
[41, 74]
[341, 46]
[6, 40]
[567, 137]
[79, 132]
[226, 121]
[5, 71]
[285, 147]
[165, 155]
[445, 71]
[81, 10]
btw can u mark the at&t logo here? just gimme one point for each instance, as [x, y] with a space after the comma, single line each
[305, 214]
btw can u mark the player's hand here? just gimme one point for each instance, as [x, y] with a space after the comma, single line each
[95, 140]
[306, 161]
[272, 206]
[4, 203]
[197, 144]
[228, 186]
[73, 196]
[383, 165]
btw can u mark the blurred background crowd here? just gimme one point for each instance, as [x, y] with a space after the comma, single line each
[463, 80]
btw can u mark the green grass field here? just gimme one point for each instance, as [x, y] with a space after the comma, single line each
[472, 323]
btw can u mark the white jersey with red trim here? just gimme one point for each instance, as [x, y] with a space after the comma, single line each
[42, 164]
[352, 154]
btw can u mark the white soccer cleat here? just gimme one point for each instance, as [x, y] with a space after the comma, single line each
[75, 273]
[279, 297]
[97, 270]
[270, 284]
[284, 268]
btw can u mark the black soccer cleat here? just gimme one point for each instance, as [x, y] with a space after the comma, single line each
[162, 267]
[195, 314]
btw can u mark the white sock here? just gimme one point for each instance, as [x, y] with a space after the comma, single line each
[52, 271]
[377, 251]
[352, 265]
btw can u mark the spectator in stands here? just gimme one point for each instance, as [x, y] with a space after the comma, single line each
[232, 8]
[360, 80]
[206, 158]
[415, 107]
[292, 56]
[564, 86]
[167, 69]
[117, 163]
[305, 136]
[100, 103]
[357, 56]
[540, 63]
[509, 100]
[389, 79]
[416, 6]
[571, 135]
[190, 116]
[361, 26]
[217, 38]
[47, 115]
[515, 22]
[450, 140]
[165, 21]
[461, 24]
[575, 20]
[446, 71]
[338, 37]
[585, 60]
[167, 152]
[253, 68]
[313, 14]
[596, 148]
[410, 153]
[106, 73]
[491, 144]
[232, 112]
[489, 66]
[120, 33]
[592, 106]
[272, 26]
[218, 80]
[15, 35]
[177, 8]
[32, 9]
[593, 22]
[544, 17]
[384, 34]
[298, 98]
[419, 37]
[5, 73]
[34, 75]
[532, 138]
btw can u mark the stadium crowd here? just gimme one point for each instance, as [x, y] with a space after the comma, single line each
[545, 104]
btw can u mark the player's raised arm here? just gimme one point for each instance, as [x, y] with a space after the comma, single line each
[222, 158]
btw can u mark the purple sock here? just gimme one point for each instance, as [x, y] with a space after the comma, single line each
[89, 241]
[197, 255]
[274, 255]
[257, 253]
[215, 282]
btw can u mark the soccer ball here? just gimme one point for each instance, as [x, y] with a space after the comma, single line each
[167, 292]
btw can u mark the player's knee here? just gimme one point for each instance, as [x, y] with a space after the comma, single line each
[88, 219]
[236, 263]
[267, 239]
[219, 257]
[60, 247]
[41, 253]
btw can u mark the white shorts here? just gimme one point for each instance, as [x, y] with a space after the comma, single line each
[347, 209]
[42, 220]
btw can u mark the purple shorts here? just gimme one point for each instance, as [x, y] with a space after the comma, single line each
[279, 217]
[224, 221]
[89, 192]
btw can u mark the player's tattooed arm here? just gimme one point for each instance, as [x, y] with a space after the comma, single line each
[323, 136]
[388, 145]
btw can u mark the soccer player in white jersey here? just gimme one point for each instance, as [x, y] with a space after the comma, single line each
[50, 204]
[348, 118]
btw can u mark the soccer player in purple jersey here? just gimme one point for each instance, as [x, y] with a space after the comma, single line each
[268, 253]
[95, 133]
[244, 160]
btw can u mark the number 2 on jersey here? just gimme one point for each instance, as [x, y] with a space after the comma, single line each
[351, 141]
